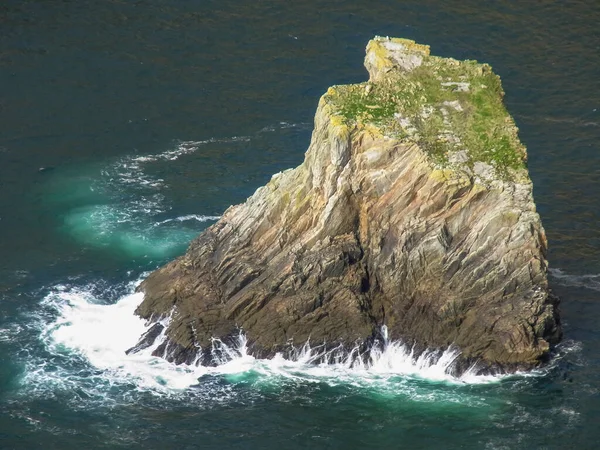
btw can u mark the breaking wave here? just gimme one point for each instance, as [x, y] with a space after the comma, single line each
[85, 338]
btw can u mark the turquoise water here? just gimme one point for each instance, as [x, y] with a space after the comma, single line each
[150, 119]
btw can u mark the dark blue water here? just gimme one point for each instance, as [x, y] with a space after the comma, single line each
[150, 118]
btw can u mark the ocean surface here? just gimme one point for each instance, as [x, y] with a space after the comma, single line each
[127, 127]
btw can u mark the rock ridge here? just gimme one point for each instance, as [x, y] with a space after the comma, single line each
[412, 209]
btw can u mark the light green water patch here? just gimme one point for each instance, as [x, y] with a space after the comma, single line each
[114, 228]
[101, 210]
[396, 390]
[120, 208]
[71, 188]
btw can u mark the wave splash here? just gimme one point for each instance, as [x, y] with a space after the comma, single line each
[382, 363]
[87, 340]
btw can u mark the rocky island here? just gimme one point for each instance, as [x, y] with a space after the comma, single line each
[413, 209]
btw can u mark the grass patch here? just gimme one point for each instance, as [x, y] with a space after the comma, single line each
[445, 106]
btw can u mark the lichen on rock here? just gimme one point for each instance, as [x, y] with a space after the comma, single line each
[412, 209]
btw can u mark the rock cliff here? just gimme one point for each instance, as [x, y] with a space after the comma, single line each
[413, 208]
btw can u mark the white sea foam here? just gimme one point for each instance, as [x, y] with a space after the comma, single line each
[189, 147]
[588, 281]
[282, 126]
[102, 334]
[87, 331]
[10, 332]
[196, 217]
[186, 148]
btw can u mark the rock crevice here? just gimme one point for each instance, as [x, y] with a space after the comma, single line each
[412, 209]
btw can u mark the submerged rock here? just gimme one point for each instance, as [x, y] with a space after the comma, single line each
[412, 209]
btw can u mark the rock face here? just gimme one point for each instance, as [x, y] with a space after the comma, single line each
[413, 208]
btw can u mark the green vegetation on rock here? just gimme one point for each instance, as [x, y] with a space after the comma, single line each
[452, 109]
[411, 208]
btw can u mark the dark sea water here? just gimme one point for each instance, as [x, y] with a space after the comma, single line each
[151, 118]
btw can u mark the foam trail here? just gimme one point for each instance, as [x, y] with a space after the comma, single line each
[186, 148]
[589, 281]
[196, 217]
[282, 126]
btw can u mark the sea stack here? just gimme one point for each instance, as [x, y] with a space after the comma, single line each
[413, 209]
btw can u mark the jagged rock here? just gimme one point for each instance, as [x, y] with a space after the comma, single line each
[147, 339]
[413, 208]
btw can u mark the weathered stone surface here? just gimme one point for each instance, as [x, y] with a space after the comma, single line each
[413, 208]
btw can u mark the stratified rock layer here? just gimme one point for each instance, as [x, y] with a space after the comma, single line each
[413, 208]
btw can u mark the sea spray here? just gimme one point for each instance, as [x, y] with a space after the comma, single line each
[102, 333]
[84, 331]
